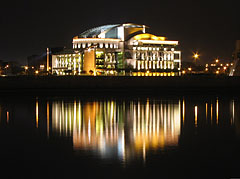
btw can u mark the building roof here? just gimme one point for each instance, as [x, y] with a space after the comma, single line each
[93, 32]
[97, 31]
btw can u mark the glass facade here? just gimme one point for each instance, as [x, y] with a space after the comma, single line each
[67, 64]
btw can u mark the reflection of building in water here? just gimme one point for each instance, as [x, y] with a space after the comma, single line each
[125, 129]
[155, 125]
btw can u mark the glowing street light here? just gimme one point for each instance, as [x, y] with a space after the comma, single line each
[196, 57]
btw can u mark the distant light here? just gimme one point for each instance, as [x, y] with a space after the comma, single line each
[217, 60]
[217, 72]
[189, 69]
[206, 69]
[36, 71]
[224, 68]
[196, 55]
[26, 67]
[231, 64]
[183, 72]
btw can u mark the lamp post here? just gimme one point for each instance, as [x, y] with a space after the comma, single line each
[195, 56]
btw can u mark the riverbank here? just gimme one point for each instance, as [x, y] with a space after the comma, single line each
[117, 84]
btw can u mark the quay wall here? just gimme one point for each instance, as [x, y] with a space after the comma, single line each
[120, 83]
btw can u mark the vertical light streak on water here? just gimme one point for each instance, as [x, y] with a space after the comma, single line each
[79, 118]
[147, 115]
[66, 121]
[211, 112]
[217, 108]
[233, 111]
[196, 115]
[89, 130]
[154, 117]
[7, 116]
[75, 118]
[144, 151]
[206, 110]
[36, 113]
[123, 147]
[134, 121]
[70, 118]
[138, 111]
[48, 118]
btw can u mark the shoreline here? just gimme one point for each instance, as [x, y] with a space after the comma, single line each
[119, 84]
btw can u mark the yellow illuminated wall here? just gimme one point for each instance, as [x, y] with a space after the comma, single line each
[89, 65]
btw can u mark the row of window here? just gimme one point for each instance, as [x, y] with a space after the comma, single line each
[155, 65]
[98, 45]
[68, 62]
[155, 56]
[152, 48]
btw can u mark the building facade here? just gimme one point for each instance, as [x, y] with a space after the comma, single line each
[120, 49]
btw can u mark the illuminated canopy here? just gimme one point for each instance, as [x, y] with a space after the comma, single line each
[147, 36]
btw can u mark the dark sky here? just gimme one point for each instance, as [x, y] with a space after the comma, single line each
[209, 27]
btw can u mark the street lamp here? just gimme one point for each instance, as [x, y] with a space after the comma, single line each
[196, 56]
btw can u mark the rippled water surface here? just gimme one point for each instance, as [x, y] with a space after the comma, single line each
[113, 137]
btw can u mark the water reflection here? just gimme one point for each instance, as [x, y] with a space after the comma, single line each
[124, 128]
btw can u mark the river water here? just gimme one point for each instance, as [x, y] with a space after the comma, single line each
[120, 137]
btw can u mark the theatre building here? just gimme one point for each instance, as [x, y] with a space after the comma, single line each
[120, 49]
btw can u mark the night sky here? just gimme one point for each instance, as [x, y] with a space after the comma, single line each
[209, 27]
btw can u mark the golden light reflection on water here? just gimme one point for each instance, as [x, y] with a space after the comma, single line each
[217, 108]
[196, 115]
[129, 129]
[36, 113]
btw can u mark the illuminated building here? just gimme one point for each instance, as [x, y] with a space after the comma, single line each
[120, 49]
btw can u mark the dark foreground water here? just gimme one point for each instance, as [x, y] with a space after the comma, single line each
[120, 137]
